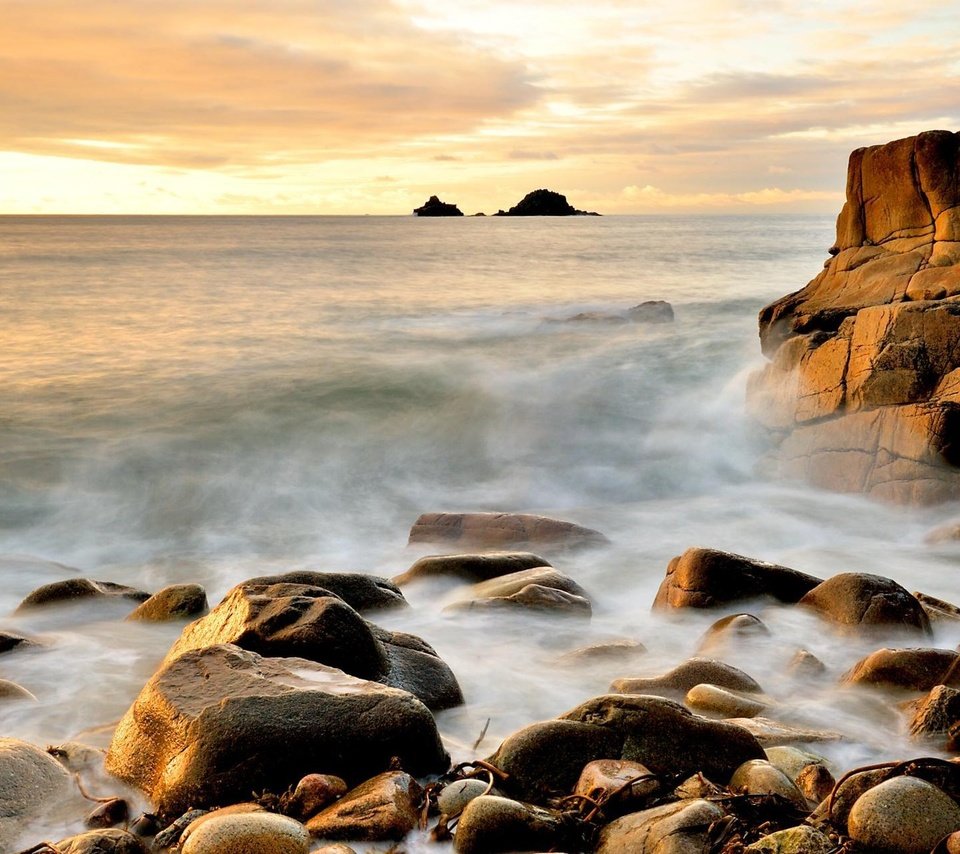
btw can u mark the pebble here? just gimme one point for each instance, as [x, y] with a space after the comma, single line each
[905, 815]
[247, 833]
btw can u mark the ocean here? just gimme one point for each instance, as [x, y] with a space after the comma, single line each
[207, 399]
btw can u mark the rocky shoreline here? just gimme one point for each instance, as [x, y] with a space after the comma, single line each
[284, 720]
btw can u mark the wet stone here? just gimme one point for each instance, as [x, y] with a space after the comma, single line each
[541, 588]
[791, 760]
[471, 567]
[732, 631]
[910, 669]
[108, 841]
[816, 782]
[695, 671]
[263, 832]
[622, 785]
[312, 794]
[502, 530]
[384, 807]
[176, 602]
[9, 641]
[10, 691]
[79, 590]
[805, 665]
[760, 777]
[860, 600]
[677, 828]
[794, 840]
[601, 653]
[495, 825]
[905, 815]
[455, 796]
[723, 702]
[936, 713]
[772, 733]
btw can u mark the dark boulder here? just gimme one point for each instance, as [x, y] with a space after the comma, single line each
[79, 590]
[471, 567]
[360, 591]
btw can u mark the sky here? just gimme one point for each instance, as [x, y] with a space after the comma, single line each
[370, 106]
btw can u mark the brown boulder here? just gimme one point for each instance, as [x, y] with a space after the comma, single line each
[683, 677]
[911, 669]
[678, 828]
[178, 601]
[471, 567]
[495, 825]
[360, 591]
[303, 621]
[385, 807]
[860, 389]
[703, 578]
[621, 785]
[937, 714]
[216, 723]
[860, 599]
[502, 530]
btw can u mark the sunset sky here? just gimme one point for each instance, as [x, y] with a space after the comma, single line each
[369, 106]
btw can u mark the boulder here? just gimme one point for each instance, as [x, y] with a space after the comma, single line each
[683, 677]
[497, 531]
[176, 602]
[544, 203]
[216, 723]
[360, 591]
[285, 619]
[861, 392]
[434, 207]
[704, 578]
[910, 669]
[862, 600]
[905, 815]
[239, 832]
[791, 760]
[471, 567]
[495, 825]
[105, 841]
[547, 758]
[32, 784]
[677, 828]
[78, 590]
[384, 807]
[847, 793]
[542, 588]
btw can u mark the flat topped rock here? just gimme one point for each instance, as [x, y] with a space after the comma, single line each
[502, 530]
[217, 723]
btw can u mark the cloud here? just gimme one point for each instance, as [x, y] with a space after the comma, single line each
[521, 154]
[653, 197]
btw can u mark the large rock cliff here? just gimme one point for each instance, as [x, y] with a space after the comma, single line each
[862, 391]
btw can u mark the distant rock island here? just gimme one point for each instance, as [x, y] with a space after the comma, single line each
[537, 203]
[544, 203]
[434, 207]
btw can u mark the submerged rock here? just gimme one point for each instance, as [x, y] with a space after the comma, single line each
[502, 530]
[471, 567]
[434, 207]
[734, 631]
[910, 669]
[617, 651]
[683, 677]
[861, 391]
[80, 589]
[216, 723]
[859, 599]
[9, 641]
[704, 578]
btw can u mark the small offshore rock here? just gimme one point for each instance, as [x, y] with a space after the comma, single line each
[544, 202]
[109, 841]
[704, 578]
[651, 311]
[502, 530]
[912, 669]
[724, 702]
[905, 815]
[623, 786]
[622, 650]
[384, 807]
[802, 839]
[434, 207]
[675, 828]
[774, 733]
[731, 631]
[313, 793]
[176, 602]
[471, 567]
[760, 777]
[937, 713]
[860, 599]
[455, 796]
[80, 589]
[694, 671]
[238, 833]
[495, 825]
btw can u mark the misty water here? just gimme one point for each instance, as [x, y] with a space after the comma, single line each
[204, 399]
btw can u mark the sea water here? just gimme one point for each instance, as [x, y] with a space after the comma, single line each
[208, 399]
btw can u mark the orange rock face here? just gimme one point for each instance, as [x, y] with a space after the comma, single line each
[862, 392]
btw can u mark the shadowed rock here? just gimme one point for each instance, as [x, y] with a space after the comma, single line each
[544, 203]
[434, 207]
[471, 567]
[360, 591]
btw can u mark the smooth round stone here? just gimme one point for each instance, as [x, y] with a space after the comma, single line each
[904, 815]
[455, 797]
[759, 777]
[248, 833]
[723, 701]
